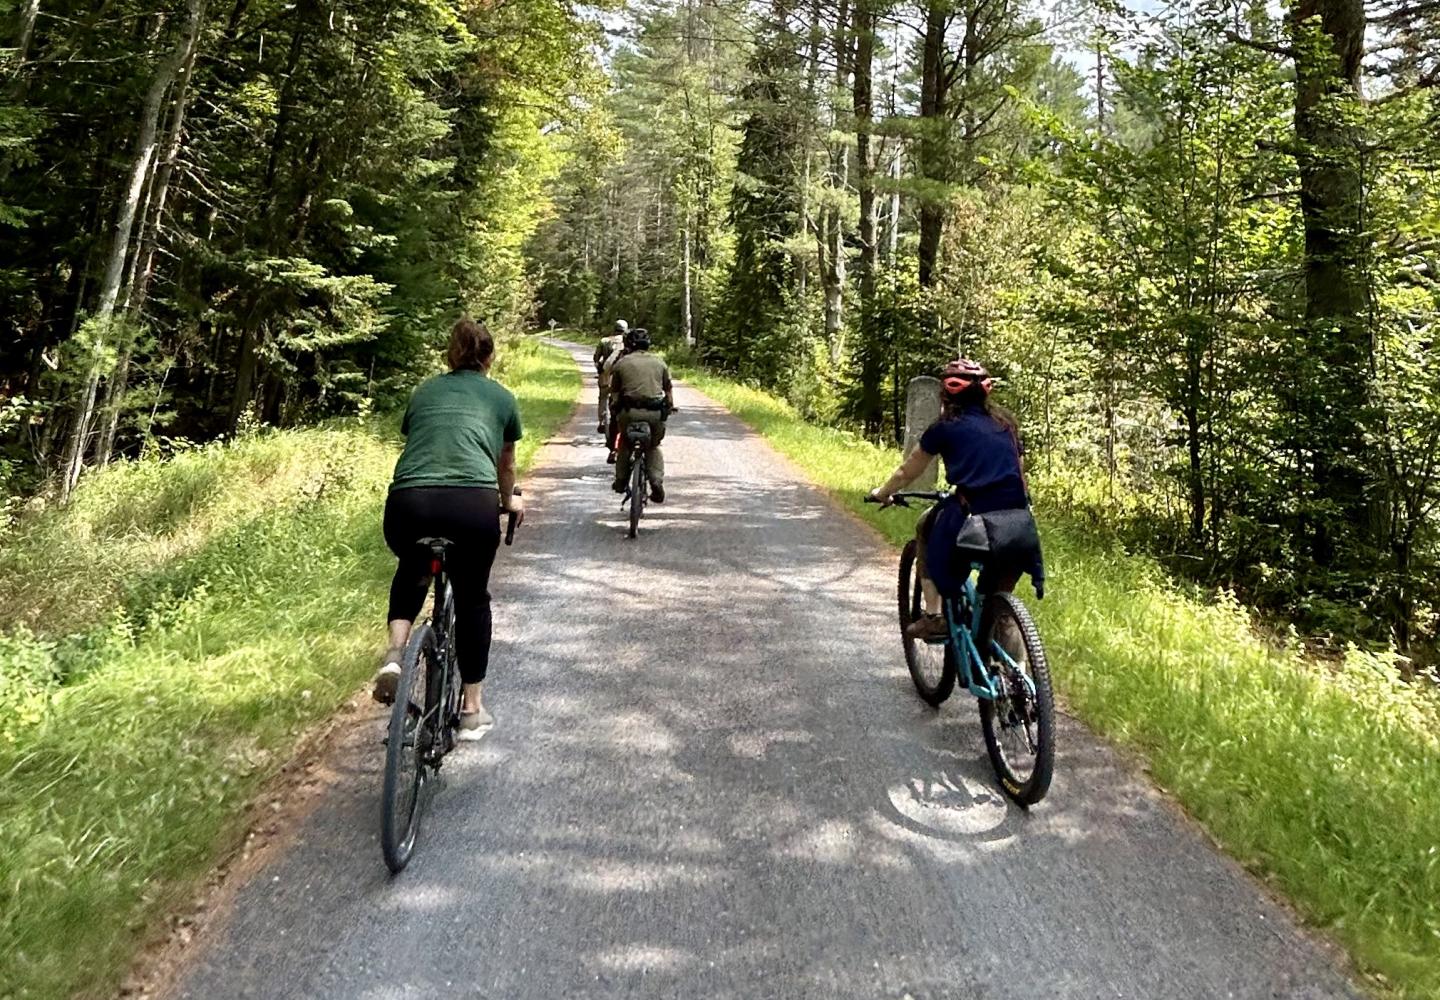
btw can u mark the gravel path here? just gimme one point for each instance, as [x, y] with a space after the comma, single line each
[710, 778]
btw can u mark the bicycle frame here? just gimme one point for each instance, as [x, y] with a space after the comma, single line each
[967, 650]
[440, 615]
[637, 458]
[962, 617]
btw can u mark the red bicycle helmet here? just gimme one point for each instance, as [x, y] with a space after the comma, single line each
[961, 374]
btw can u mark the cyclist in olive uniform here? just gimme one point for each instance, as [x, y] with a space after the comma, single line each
[640, 390]
[604, 358]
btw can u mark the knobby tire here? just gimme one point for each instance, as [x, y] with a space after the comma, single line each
[1007, 618]
[933, 691]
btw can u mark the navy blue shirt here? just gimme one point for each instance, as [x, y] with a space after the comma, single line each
[982, 459]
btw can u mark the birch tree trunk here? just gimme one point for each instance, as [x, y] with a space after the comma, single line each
[893, 245]
[142, 163]
[151, 221]
[28, 15]
[686, 321]
[832, 273]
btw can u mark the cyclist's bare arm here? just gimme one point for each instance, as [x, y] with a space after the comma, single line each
[509, 499]
[908, 471]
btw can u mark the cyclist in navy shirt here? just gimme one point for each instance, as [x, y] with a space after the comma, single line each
[980, 446]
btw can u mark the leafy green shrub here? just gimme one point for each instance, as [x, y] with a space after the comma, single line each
[28, 678]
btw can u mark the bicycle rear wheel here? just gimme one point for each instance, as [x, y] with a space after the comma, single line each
[637, 491]
[1020, 726]
[932, 665]
[407, 745]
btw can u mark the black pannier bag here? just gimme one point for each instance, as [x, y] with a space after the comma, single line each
[639, 433]
[1002, 540]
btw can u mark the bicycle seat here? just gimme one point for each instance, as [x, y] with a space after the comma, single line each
[638, 433]
[436, 548]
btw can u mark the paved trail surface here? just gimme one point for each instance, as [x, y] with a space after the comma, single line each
[710, 778]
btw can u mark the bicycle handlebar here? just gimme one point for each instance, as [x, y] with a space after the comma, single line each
[900, 499]
[510, 525]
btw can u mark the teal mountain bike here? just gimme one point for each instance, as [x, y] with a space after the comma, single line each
[993, 648]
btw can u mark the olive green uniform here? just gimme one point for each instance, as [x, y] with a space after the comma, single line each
[604, 359]
[640, 387]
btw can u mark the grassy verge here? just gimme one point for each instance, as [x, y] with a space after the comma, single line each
[182, 622]
[1325, 782]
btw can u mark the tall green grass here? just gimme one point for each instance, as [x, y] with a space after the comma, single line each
[181, 623]
[1323, 779]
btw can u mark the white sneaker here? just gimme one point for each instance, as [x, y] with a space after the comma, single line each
[387, 680]
[474, 725]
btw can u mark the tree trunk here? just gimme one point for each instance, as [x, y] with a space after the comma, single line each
[833, 273]
[1195, 473]
[150, 234]
[1336, 297]
[933, 120]
[685, 315]
[894, 241]
[115, 387]
[286, 104]
[272, 396]
[141, 164]
[244, 380]
[28, 16]
[834, 282]
[862, 106]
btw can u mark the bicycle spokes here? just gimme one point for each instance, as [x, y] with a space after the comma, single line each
[1016, 709]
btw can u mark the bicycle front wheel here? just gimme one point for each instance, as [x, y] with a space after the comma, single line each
[932, 664]
[637, 492]
[411, 729]
[1020, 725]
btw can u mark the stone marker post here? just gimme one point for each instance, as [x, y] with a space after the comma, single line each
[922, 408]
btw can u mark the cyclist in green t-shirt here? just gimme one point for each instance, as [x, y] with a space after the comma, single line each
[455, 476]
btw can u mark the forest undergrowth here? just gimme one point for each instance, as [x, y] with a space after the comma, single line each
[178, 626]
[1322, 778]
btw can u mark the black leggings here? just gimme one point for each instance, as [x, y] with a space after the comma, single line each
[470, 517]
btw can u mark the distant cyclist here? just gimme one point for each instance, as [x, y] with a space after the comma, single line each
[641, 392]
[980, 445]
[607, 352]
[455, 476]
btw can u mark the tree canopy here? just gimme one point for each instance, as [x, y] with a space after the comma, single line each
[1196, 241]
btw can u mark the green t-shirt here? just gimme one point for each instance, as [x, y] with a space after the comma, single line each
[455, 428]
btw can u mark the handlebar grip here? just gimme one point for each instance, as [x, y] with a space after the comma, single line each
[510, 525]
[895, 501]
